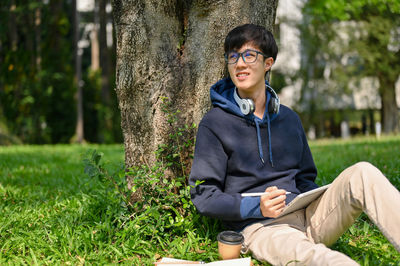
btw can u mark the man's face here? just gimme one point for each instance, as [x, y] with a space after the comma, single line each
[249, 77]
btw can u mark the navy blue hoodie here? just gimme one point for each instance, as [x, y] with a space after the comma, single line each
[235, 153]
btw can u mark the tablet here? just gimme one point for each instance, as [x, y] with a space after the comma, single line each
[303, 200]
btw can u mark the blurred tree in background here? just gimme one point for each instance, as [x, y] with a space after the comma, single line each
[38, 85]
[344, 42]
[57, 68]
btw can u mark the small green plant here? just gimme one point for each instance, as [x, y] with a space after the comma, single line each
[114, 183]
[157, 201]
[177, 153]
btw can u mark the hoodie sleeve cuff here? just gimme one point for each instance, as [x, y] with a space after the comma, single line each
[250, 208]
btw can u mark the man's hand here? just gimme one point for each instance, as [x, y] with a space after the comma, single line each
[273, 203]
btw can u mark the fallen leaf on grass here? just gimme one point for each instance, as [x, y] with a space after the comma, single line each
[200, 251]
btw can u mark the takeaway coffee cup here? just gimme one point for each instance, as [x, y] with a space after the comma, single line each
[229, 244]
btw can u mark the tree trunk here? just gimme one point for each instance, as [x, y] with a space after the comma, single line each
[389, 111]
[12, 27]
[79, 129]
[104, 53]
[172, 49]
[106, 122]
[371, 121]
[38, 39]
[79, 132]
[94, 39]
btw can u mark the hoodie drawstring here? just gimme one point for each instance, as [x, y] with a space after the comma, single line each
[260, 152]
[269, 140]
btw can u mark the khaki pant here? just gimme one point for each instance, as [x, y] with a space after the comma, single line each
[302, 237]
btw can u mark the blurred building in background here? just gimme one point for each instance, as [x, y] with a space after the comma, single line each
[325, 105]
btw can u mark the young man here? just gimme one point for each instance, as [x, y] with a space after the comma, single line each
[250, 143]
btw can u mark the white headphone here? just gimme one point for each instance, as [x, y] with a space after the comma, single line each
[275, 102]
[247, 106]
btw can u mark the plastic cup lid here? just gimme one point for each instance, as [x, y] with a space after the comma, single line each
[230, 237]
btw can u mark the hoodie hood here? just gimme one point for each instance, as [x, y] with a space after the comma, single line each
[222, 95]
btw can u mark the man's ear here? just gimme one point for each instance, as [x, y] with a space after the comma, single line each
[268, 63]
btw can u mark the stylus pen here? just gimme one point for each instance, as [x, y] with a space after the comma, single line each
[258, 194]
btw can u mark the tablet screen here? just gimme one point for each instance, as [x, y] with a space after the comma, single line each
[303, 200]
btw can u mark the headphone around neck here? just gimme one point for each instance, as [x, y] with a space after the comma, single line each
[247, 106]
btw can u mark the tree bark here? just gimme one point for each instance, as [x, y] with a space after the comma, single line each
[172, 49]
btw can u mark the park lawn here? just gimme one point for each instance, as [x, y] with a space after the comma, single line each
[363, 241]
[53, 213]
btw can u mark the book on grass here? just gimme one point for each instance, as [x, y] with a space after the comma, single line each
[178, 262]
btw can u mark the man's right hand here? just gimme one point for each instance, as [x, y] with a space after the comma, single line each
[272, 204]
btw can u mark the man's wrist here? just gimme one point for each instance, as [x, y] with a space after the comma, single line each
[250, 208]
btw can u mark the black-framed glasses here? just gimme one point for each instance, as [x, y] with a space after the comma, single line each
[249, 56]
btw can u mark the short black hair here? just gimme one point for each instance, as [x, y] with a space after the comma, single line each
[254, 34]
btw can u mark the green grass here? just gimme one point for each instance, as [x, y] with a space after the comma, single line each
[52, 213]
[363, 241]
